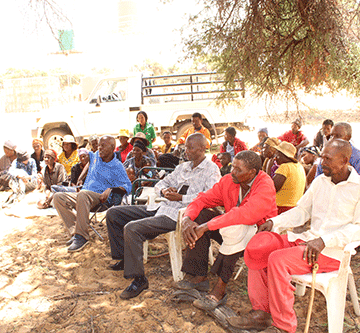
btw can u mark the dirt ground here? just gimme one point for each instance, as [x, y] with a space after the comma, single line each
[43, 288]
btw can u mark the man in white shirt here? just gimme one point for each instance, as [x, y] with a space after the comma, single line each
[333, 204]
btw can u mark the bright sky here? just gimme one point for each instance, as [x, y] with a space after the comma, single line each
[97, 36]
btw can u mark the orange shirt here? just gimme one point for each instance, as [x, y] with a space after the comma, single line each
[191, 130]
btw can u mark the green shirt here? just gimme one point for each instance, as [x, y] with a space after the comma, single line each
[149, 132]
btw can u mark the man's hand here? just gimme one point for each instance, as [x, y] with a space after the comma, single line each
[267, 226]
[171, 194]
[188, 231]
[312, 250]
[200, 230]
[103, 196]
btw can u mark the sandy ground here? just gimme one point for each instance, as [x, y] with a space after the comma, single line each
[43, 288]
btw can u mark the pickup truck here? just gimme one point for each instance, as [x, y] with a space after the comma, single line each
[169, 102]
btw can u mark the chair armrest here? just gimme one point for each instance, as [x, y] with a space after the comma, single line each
[351, 247]
[180, 217]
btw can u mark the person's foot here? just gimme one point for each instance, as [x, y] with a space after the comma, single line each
[135, 288]
[119, 266]
[256, 320]
[209, 302]
[78, 244]
[9, 201]
[198, 284]
[274, 329]
[70, 241]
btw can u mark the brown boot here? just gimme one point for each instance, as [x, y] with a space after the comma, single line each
[255, 320]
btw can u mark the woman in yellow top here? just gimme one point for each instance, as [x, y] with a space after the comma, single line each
[69, 156]
[289, 178]
[168, 146]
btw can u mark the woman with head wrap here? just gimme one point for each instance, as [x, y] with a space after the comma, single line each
[53, 174]
[23, 175]
[139, 159]
[38, 154]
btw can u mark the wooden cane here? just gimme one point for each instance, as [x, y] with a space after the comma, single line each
[315, 268]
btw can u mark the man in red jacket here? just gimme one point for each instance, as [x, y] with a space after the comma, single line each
[248, 196]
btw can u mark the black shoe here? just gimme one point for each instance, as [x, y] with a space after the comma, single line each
[70, 241]
[135, 288]
[119, 266]
[78, 244]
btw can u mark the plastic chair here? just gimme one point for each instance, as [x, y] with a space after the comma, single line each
[333, 286]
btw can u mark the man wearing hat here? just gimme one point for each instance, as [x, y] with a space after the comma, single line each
[289, 178]
[332, 203]
[248, 196]
[295, 136]
[23, 177]
[125, 147]
[262, 136]
[94, 143]
[5, 163]
[105, 172]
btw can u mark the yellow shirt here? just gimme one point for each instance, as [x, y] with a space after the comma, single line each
[191, 130]
[163, 148]
[294, 185]
[68, 163]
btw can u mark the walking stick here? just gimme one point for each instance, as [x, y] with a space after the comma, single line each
[315, 268]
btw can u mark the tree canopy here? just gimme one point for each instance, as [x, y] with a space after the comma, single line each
[278, 46]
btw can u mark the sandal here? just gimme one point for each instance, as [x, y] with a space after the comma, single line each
[209, 302]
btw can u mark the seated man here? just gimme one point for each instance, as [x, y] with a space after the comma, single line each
[198, 127]
[130, 226]
[5, 164]
[332, 202]
[105, 172]
[324, 135]
[295, 136]
[248, 196]
[343, 131]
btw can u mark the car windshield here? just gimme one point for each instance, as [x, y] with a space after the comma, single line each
[110, 91]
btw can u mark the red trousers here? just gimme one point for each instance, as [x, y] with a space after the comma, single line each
[270, 289]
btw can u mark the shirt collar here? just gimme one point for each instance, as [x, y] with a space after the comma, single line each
[200, 166]
[353, 177]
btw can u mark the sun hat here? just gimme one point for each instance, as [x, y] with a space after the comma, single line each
[298, 122]
[9, 145]
[93, 137]
[313, 150]
[124, 132]
[22, 155]
[287, 149]
[140, 135]
[272, 142]
[69, 139]
[259, 248]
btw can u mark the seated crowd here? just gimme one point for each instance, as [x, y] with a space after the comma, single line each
[241, 198]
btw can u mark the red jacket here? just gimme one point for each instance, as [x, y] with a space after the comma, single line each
[258, 206]
[238, 146]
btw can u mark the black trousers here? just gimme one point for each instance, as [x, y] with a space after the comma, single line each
[196, 259]
[128, 228]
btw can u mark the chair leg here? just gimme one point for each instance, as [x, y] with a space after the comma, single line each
[353, 294]
[335, 302]
[145, 250]
[175, 251]
[300, 289]
[96, 232]
[239, 271]
[211, 255]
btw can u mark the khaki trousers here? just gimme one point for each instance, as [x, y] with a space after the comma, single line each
[82, 202]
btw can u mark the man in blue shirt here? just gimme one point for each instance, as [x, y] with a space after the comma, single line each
[343, 131]
[105, 172]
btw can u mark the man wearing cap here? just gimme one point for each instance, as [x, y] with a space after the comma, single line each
[248, 196]
[268, 153]
[310, 158]
[289, 178]
[332, 203]
[129, 226]
[23, 177]
[53, 174]
[125, 147]
[262, 136]
[295, 136]
[105, 173]
[197, 127]
[94, 143]
[343, 130]
[5, 163]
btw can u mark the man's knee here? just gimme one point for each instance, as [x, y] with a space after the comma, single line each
[58, 198]
[112, 215]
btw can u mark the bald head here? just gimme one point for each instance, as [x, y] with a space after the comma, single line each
[106, 147]
[341, 147]
[342, 130]
[198, 139]
[195, 147]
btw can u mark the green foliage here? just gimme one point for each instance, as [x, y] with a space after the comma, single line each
[279, 46]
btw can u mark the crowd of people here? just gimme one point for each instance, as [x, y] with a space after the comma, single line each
[280, 183]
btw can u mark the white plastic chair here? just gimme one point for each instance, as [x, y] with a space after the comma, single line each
[333, 286]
